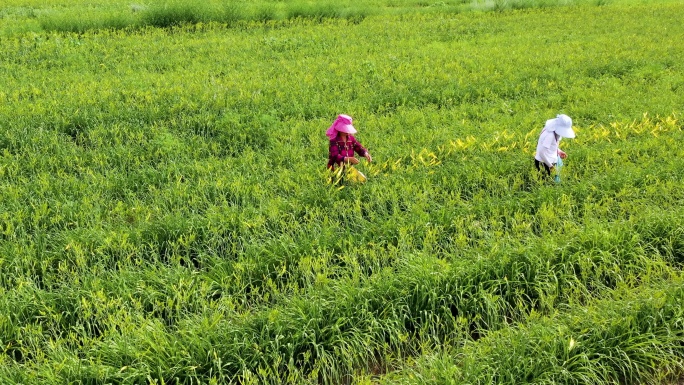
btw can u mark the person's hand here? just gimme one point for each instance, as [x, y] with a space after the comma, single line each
[562, 154]
[368, 157]
[351, 160]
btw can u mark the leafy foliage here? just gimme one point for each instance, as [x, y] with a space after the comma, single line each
[166, 215]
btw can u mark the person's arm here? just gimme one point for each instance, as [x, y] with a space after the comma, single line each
[549, 158]
[562, 154]
[334, 154]
[359, 149]
[549, 150]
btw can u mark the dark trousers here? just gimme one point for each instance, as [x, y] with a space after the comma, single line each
[539, 166]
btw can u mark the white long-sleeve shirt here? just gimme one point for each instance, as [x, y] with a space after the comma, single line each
[547, 148]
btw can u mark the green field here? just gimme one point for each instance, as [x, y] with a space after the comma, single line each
[166, 216]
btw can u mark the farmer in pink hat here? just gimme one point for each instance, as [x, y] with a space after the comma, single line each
[343, 144]
[547, 147]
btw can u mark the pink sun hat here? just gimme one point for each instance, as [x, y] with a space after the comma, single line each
[343, 123]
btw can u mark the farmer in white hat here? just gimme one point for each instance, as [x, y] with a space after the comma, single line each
[547, 147]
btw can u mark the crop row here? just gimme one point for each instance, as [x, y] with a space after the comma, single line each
[201, 214]
[165, 324]
[211, 82]
[26, 17]
[453, 206]
[630, 337]
[166, 213]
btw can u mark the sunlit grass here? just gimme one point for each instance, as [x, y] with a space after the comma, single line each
[166, 213]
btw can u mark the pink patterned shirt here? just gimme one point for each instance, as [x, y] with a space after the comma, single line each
[342, 149]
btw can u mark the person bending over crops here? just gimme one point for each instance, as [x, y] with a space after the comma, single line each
[343, 144]
[547, 147]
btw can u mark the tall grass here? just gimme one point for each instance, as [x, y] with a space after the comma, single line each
[166, 215]
[632, 337]
[59, 16]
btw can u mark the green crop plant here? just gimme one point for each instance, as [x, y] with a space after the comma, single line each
[632, 336]
[19, 16]
[166, 215]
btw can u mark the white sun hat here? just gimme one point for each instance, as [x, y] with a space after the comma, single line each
[561, 125]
